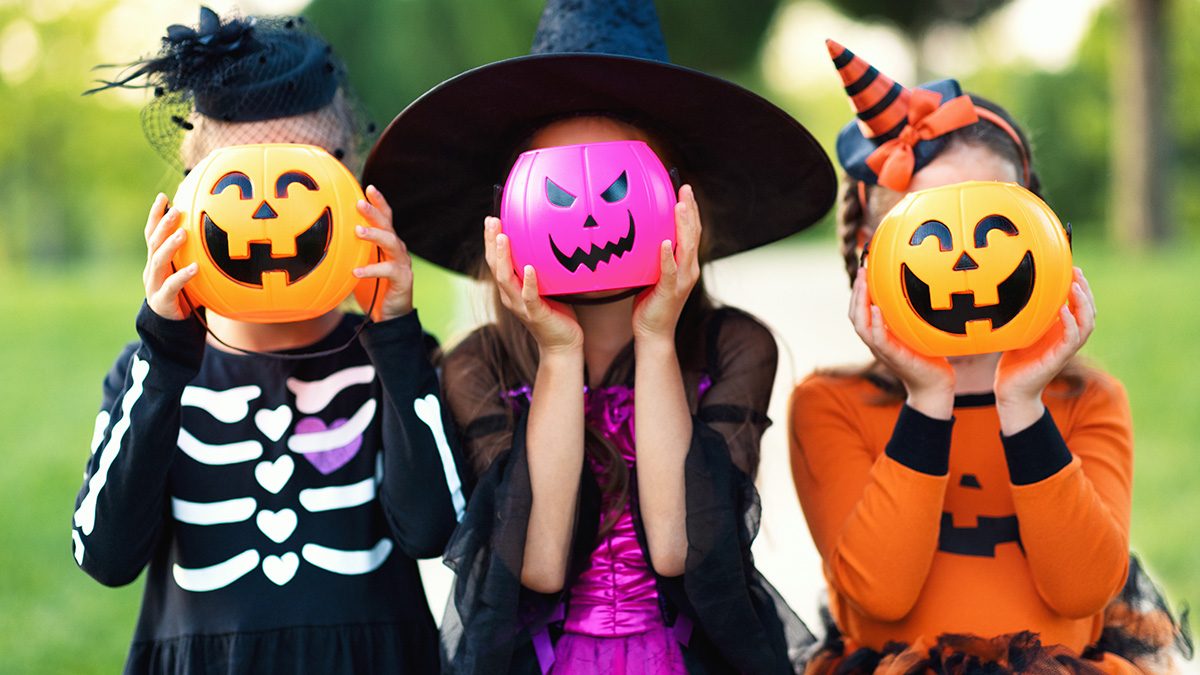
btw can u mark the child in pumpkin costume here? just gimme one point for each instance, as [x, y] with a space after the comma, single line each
[615, 438]
[277, 498]
[972, 513]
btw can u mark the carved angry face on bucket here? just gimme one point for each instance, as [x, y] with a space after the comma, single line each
[970, 268]
[272, 228]
[589, 217]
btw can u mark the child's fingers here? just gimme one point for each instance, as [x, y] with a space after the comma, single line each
[491, 227]
[376, 198]
[668, 268]
[157, 210]
[529, 294]
[1083, 309]
[173, 284]
[877, 330]
[161, 259]
[386, 240]
[388, 269]
[860, 309]
[162, 230]
[502, 271]
[1070, 328]
[687, 227]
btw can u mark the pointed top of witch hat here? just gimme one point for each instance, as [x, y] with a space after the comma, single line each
[897, 130]
[619, 27]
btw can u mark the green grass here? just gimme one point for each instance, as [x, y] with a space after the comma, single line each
[1148, 335]
[61, 331]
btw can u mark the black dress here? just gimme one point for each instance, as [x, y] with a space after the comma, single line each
[739, 623]
[278, 505]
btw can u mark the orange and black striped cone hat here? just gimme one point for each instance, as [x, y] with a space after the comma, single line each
[897, 130]
[880, 102]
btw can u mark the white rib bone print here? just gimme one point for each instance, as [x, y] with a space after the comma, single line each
[272, 475]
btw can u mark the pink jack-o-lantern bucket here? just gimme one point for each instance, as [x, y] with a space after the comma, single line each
[589, 217]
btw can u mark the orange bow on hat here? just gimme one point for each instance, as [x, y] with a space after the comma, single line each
[928, 118]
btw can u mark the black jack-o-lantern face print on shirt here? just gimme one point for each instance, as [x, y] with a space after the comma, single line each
[272, 229]
[589, 217]
[969, 268]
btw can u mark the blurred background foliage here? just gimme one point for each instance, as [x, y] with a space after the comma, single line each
[76, 178]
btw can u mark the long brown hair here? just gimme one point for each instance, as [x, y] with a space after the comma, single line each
[855, 226]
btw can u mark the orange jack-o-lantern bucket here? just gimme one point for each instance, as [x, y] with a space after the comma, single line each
[970, 268]
[272, 229]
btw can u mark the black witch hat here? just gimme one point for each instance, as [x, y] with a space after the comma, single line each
[758, 174]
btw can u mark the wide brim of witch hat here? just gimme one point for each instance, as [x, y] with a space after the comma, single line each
[881, 107]
[758, 175]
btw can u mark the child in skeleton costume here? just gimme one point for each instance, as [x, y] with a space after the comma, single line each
[615, 437]
[277, 497]
[972, 512]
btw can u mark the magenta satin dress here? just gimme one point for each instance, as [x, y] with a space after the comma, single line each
[613, 621]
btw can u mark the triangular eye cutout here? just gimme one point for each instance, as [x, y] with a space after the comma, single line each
[617, 191]
[557, 195]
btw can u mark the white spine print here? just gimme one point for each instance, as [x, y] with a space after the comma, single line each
[98, 430]
[218, 455]
[203, 579]
[347, 562]
[338, 497]
[228, 406]
[77, 546]
[313, 397]
[338, 437]
[85, 515]
[429, 409]
[213, 513]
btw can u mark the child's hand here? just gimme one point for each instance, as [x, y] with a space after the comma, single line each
[929, 381]
[163, 239]
[657, 309]
[552, 324]
[1023, 374]
[396, 267]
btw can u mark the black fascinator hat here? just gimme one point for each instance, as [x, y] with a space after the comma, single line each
[250, 69]
[759, 175]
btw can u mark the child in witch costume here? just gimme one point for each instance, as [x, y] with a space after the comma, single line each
[616, 437]
[276, 496]
[889, 458]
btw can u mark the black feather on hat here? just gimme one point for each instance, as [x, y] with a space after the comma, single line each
[758, 174]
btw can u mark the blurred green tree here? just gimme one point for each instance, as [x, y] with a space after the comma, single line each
[914, 18]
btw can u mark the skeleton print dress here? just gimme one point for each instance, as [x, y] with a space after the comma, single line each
[278, 505]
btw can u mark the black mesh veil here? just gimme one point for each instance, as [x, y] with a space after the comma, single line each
[246, 80]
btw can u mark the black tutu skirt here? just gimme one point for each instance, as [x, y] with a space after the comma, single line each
[1140, 635]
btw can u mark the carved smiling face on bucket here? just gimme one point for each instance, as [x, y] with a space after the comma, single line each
[969, 268]
[272, 228]
[589, 217]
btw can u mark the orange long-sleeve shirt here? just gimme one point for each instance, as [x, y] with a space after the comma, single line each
[910, 553]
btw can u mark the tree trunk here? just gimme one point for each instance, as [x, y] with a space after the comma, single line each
[1141, 172]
